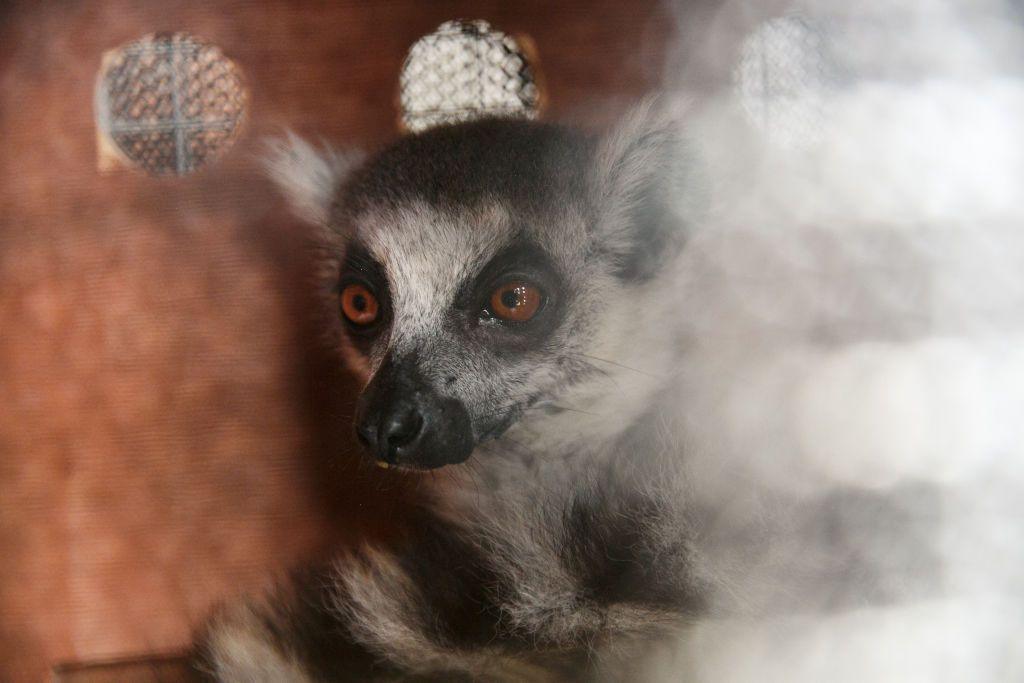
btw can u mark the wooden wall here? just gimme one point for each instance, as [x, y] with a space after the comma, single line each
[171, 431]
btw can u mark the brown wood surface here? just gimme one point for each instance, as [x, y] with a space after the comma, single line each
[171, 430]
[154, 669]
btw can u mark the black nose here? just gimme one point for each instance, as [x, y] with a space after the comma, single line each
[402, 420]
[386, 434]
[403, 427]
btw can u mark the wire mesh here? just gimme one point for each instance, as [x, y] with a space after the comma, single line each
[465, 70]
[782, 78]
[170, 103]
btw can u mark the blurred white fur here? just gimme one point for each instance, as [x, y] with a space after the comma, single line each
[856, 314]
[307, 176]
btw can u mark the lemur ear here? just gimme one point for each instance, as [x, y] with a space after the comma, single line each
[309, 178]
[639, 178]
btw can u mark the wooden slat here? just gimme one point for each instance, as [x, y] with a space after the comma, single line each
[158, 669]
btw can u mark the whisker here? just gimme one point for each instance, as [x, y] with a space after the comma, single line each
[617, 364]
[577, 410]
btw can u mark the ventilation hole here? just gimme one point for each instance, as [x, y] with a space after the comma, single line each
[167, 104]
[783, 77]
[466, 70]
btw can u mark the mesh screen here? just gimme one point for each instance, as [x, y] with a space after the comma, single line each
[464, 70]
[782, 77]
[170, 103]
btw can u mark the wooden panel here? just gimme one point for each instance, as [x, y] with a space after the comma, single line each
[163, 669]
[172, 430]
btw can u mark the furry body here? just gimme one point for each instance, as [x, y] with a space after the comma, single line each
[569, 546]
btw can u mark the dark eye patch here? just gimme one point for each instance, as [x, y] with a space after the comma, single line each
[358, 261]
[522, 261]
[359, 267]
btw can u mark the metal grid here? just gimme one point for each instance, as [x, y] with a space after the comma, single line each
[465, 70]
[170, 103]
[783, 77]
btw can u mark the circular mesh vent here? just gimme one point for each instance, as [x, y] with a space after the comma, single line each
[782, 78]
[465, 70]
[169, 103]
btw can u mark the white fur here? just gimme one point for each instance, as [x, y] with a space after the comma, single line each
[241, 650]
[309, 178]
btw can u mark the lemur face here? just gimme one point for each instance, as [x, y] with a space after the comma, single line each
[490, 274]
[466, 318]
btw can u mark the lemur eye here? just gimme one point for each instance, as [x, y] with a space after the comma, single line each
[516, 301]
[359, 305]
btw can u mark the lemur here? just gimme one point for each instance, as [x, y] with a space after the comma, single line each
[505, 293]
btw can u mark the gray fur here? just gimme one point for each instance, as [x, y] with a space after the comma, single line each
[566, 548]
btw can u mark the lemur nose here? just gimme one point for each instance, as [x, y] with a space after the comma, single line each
[401, 428]
[384, 434]
[401, 419]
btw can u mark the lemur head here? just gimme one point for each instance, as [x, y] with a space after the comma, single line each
[496, 274]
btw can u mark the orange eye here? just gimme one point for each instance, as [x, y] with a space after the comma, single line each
[359, 305]
[516, 301]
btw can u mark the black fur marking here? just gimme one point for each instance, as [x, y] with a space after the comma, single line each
[526, 163]
[608, 545]
[460, 602]
[455, 600]
[360, 267]
[301, 621]
[312, 629]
